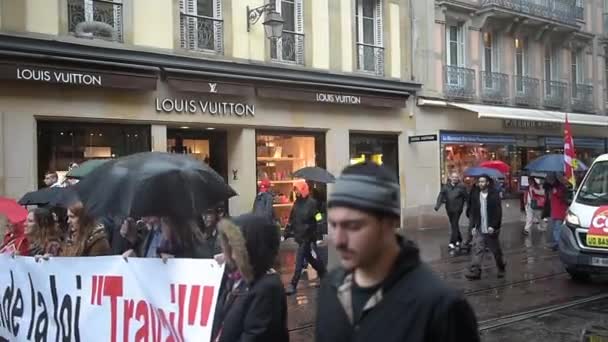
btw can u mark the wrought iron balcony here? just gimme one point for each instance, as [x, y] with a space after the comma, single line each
[107, 12]
[289, 48]
[556, 94]
[526, 91]
[582, 98]
[370, 58]
[494, 87]
[459, 83]
[557, 10]
[202, 33]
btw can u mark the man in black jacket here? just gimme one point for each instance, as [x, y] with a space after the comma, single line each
[382, 291]
[486, 219]
[454, 195]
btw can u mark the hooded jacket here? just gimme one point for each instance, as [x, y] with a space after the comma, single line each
[412, 305]
[251, 306]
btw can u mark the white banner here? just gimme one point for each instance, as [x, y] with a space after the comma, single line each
[107, 299]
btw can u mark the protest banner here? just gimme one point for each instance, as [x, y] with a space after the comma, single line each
[107, 299]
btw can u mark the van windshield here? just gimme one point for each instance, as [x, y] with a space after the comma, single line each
[595, 187]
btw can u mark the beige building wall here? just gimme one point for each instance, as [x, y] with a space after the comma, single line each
[153, 23]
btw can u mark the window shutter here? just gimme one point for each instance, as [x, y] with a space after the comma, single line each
[192, 28]
[218, 29]
[118, 19]
[460, 38]
[182, 24]
[299, 39]
[379, 37]
[88, 10]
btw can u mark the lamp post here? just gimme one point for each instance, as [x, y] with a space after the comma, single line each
[273, 23]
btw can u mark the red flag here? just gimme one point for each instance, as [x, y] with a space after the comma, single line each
[569, 154]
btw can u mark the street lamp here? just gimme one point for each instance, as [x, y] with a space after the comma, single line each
[273, 24]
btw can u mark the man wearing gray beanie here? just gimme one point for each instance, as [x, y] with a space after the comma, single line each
[382, 291]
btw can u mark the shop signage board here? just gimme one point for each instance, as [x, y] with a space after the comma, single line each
[597, 236]
[76, 77]
[598, 143]
[528, 124]
[463, 138]
[210, 87]
[331, 97]
[213, 108]
[422, 138]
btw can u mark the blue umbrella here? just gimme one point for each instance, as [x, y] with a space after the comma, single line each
[552, 163]
[478, 171]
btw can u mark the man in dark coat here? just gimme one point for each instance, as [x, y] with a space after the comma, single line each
[486, 219]
[382, 291]
[454, 196]
[262, 205]
[303, 226]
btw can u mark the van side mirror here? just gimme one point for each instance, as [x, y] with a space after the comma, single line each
[570, 195]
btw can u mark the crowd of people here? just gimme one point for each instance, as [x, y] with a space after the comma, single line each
[380, 274]
[544, 203]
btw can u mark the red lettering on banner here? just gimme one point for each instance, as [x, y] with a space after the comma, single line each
[129, 307]
[206, 304]
[156, 326]
[181, 299]
[141, 314]
[112, 287]
[192, 308]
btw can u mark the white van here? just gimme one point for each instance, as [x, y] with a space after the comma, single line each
[583, 245]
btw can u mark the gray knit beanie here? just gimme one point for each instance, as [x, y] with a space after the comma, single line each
[367, 187]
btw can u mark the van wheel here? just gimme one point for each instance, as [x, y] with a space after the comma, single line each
[578, 276]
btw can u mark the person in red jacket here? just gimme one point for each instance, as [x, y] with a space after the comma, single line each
[559, 206]
[15, 240]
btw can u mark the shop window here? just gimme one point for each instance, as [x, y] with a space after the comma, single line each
[63, 143]
[379, 148]
[370, 41]
[108, 15]
[279, 155]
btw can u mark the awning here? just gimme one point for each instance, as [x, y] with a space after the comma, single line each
[509, 113]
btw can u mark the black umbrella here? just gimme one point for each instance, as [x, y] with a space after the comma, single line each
[152, 184]
[55, 197]
[315, 174]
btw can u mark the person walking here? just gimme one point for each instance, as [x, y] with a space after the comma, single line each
[262, 205]
[486, 220]
[534, 203]
[86, 237]
[382, 291]
[211, 219]
[454, 196]
[303, 226]
[42, 233]
[559, 206]
[251, 304]
[51, 179]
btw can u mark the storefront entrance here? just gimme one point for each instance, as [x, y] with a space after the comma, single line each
[208, 146]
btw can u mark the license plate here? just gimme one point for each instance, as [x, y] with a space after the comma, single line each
[602, 262]
[597, 241]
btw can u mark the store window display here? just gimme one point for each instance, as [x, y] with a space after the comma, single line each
[382, 149]
[279, 155]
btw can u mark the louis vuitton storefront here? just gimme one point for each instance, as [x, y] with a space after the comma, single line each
[247, 122]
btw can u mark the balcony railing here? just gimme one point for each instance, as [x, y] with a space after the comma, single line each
[526, 91]
[370, 58]
[459, 82]
[494, 87]
[582, 98]
[289, 48]
[556, 94]
[202, 33]
[557, 10]
[107, 12]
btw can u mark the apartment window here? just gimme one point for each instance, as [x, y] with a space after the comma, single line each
[579, 10]
[455, 45]
[520, 63]
[551, 68]
[576, 71]
[370, 50]
[290, 47]
[490, 58]
[201, 25]
[107, 15]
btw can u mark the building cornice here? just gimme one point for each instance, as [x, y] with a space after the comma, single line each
[221, 68]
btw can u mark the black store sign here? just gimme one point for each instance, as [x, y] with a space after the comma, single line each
[422, 138]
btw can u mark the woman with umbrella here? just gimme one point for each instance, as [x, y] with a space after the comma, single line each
[87, 238]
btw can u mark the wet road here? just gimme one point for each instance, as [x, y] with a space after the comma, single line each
[535, 281]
